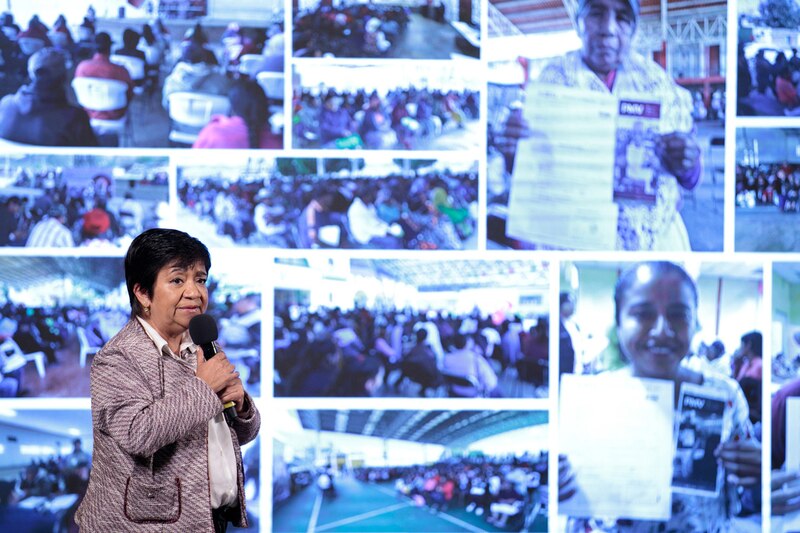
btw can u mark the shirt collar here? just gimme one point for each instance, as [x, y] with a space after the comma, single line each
[161, 344]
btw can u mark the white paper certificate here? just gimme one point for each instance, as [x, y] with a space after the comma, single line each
[791, 522]
[565, 169]
[616, 432]
[792, 433]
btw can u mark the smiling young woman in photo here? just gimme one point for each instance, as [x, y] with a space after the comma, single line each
[656, 320]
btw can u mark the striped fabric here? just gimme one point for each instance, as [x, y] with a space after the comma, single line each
[150, 466]
[50, 233]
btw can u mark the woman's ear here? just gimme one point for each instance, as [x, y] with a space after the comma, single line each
[141, 295]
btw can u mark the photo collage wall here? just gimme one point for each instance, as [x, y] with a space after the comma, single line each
[498, 265]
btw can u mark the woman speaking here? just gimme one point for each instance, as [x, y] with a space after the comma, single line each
[164, 457]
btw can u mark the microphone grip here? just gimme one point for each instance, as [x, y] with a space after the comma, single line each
[230, 412]
[210, 349]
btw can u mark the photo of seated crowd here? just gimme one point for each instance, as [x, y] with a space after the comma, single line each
[785, 389]
[694, 329]
[415, 470]
[387, 333]
[558, 50]
[767, 65]
[111, 74]
[67, 201]
[767, 189]
[57, 312]
[428, 106]
[45, 467]
[390, 29]
[377, 203]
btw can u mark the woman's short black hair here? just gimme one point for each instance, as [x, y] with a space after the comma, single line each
[155, 249]
[658, 269]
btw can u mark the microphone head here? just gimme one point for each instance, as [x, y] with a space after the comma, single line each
[203, 329]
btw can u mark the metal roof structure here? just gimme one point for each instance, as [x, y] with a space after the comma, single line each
[448, 428]
[450, 275]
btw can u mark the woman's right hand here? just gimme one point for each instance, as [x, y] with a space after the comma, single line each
[217, 372]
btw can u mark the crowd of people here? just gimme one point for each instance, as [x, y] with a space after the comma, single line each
[69, 215]
[768, 87]
[432, 210]
[43, 67]
[404, 118]
[776, 184]
[508, 492]
[49, 330]
[361, 352]
[57, 475]
[357, 30]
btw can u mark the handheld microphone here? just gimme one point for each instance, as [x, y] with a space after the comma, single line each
[204, 333]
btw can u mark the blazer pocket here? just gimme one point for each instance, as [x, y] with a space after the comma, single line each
[146, 501]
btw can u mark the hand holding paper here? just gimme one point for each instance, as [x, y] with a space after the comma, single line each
[742, 461]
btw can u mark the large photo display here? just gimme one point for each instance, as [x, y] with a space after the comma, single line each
[447, 248]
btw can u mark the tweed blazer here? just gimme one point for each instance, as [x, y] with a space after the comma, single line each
[150, 418]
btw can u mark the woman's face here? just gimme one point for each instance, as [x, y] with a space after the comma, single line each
[657, 320]
[179, 294]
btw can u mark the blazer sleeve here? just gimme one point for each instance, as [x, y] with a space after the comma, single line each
[247, 424]
[139, 421]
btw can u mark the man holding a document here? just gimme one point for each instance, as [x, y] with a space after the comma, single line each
[603, 144]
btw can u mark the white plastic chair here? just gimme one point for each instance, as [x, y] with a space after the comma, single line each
[134, 65]
[85, 348]
[30, 45]
[251, 64]
[58, 38]
[13, 358]
[272, 83]
[10, 32]
[194, 110]
[99, 94]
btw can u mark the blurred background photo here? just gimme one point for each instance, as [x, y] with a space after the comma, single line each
[424, 105]
[686, 41]
[397, 29]
[767, 189]
[411, 328]
[401, 470]
[154, 74]
[767, 65]
[45, 466]
[376, 203]
[66, 201]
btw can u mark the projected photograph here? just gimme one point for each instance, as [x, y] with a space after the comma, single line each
[45, 465]
[402, 29]
[411, 328]
[785, 397]
[767, 64]
[421, 105]
[371, 203]
[234, 301]
[680, 347]
[65, 201]
[57, 312]
[596, 149]
[767, 189]
[142, 74]
[354, 470]
[46, 461]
